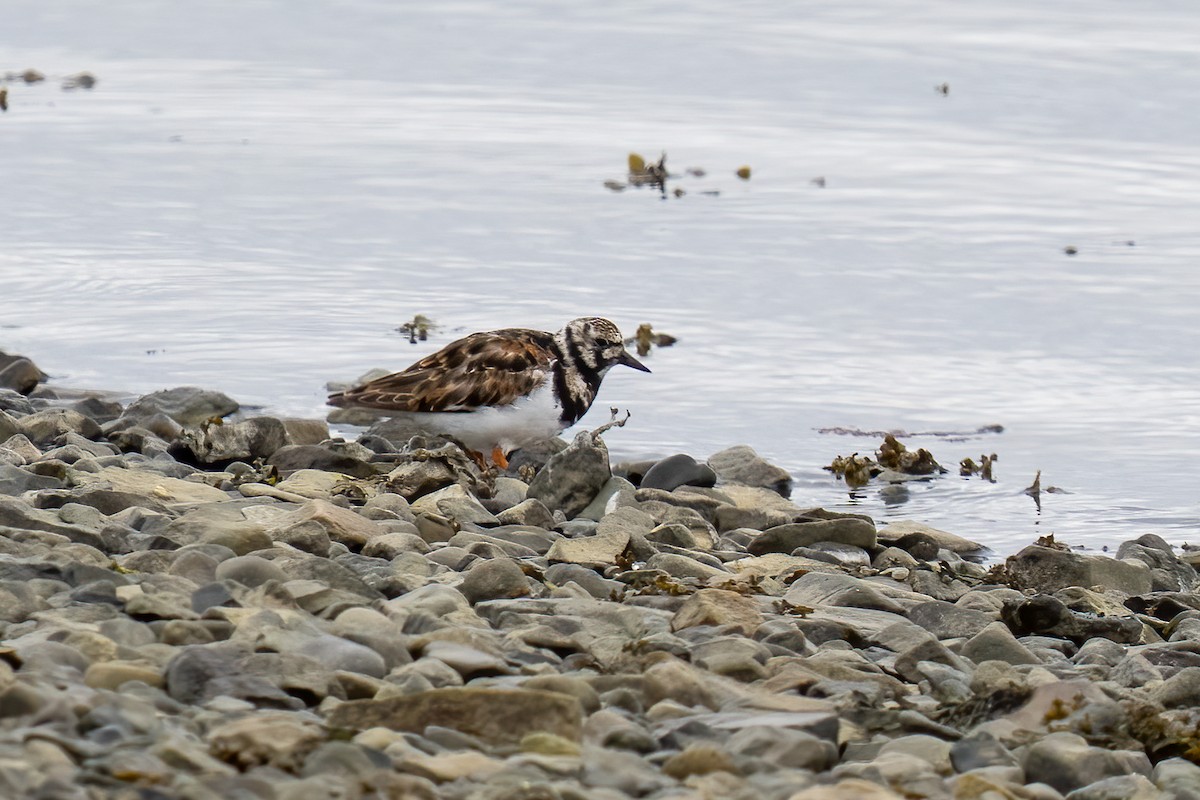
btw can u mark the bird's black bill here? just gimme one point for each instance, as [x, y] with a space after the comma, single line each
[630, 361]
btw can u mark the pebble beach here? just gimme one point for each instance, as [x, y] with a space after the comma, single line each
[200, 603]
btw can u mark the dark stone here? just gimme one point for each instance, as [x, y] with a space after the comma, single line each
[1049, 569]
[786, 538]
[1046, 614]
[19, 374]
[257, 437]
[678, 470]
[99, 409]
[14, 402]
[292, 457]
[201, 672]
[920, 546]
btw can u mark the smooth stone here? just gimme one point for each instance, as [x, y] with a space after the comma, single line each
[678, 470]
[249, 570]
[454, 503]
[112, 674]
[1048, 569]
[741, 464]
[499, 716]
[786, 538]
[615, 493]
[144, 482]
[494, 579]
[996, 643]
[681, 566]
[598, 550]
[1156, 553]
[591, 581]
[187, 405]
[1067, 762]
[698, 758]
[1181, 690]
[42, 427]
[784, 747]
[1119, 787]
[718, 607]
[947, 621]
[1179, 776]
[340, 524]
[292, 457]
[20, 375]
[818, 589]
[574, 476]
[530, 511]
[893, 532]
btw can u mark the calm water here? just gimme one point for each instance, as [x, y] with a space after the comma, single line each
[257, 193]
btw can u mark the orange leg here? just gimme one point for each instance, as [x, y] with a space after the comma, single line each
[499, 458]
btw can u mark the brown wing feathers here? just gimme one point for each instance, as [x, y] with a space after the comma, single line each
[482, 369]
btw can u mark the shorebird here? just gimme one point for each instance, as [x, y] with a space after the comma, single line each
[498, 391]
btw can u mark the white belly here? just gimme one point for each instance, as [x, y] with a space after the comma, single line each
[531, 419]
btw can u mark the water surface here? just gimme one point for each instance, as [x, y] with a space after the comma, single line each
[257, 194]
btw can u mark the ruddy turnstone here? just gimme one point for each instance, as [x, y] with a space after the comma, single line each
[498, 391]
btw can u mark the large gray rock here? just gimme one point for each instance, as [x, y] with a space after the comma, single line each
[43, 427]
[187, 405]
[494, 579]
[257, 437]
[1157, 554]
[1067, 762]
[996, 643]
[786, 538]
[19, 374]
[574, 476]
[292, 457]
[740, 464]
[1048, 569]
[1047, 615]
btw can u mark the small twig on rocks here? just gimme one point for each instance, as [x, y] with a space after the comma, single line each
[612, 423]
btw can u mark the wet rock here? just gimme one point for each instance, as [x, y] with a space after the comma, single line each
[574, 476]
[786, 538]
[187, 405]
[1157, 554]
[257, 437]
[741, 464]
[19, 374]
[292, 457]
[893, 533]
[1048, 569]
[678, 470]
[492, 715]
[1046, 614]
[1067, 762]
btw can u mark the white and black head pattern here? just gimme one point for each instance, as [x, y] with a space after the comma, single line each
[588, 348]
